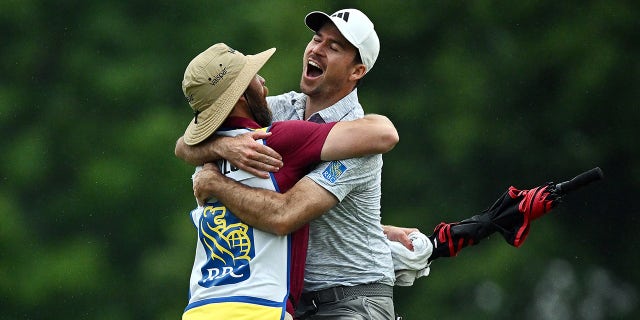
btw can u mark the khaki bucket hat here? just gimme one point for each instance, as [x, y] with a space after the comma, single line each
[213, 82]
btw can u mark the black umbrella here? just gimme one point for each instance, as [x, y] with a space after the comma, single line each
[510, 215]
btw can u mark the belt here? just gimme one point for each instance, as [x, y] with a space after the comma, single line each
[338, 293]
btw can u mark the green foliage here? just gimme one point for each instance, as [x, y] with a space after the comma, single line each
[485, 94]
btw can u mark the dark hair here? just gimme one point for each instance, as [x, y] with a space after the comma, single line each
[357, 58]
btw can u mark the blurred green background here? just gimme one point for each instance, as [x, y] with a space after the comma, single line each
[485, 94]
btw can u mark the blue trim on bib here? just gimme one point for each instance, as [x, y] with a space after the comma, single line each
[244, 299]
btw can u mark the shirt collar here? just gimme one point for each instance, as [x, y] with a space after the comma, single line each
[337, 111]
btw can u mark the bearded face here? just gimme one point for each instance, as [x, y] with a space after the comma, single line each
[257, 102]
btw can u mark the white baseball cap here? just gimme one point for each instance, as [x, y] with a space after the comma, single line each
[355, 27]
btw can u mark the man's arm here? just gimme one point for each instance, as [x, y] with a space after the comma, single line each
[278, 213]
[282, 213]
[242, 151]
[372, 134]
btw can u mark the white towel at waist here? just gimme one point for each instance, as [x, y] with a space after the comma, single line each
[410, 265]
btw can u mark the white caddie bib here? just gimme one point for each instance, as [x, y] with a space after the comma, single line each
[239, 272]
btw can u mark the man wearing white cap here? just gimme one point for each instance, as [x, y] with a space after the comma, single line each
[240, 272]
[349, 268]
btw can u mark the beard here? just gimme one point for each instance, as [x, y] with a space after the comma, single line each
[259, 108]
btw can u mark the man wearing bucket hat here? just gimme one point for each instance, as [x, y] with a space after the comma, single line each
[349, 267]
[240, 272]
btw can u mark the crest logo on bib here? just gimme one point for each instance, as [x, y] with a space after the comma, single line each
[229, 246]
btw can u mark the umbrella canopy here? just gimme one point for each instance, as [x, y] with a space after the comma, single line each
[511, 215]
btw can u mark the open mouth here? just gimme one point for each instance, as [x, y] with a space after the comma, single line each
[313, 70]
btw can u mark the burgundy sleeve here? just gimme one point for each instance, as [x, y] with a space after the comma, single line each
[299, 141]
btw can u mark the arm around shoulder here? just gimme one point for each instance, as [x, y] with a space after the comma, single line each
[373, 134]
[197, 154]
[242, 151]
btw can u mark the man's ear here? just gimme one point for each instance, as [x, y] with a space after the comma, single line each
[359, 71]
